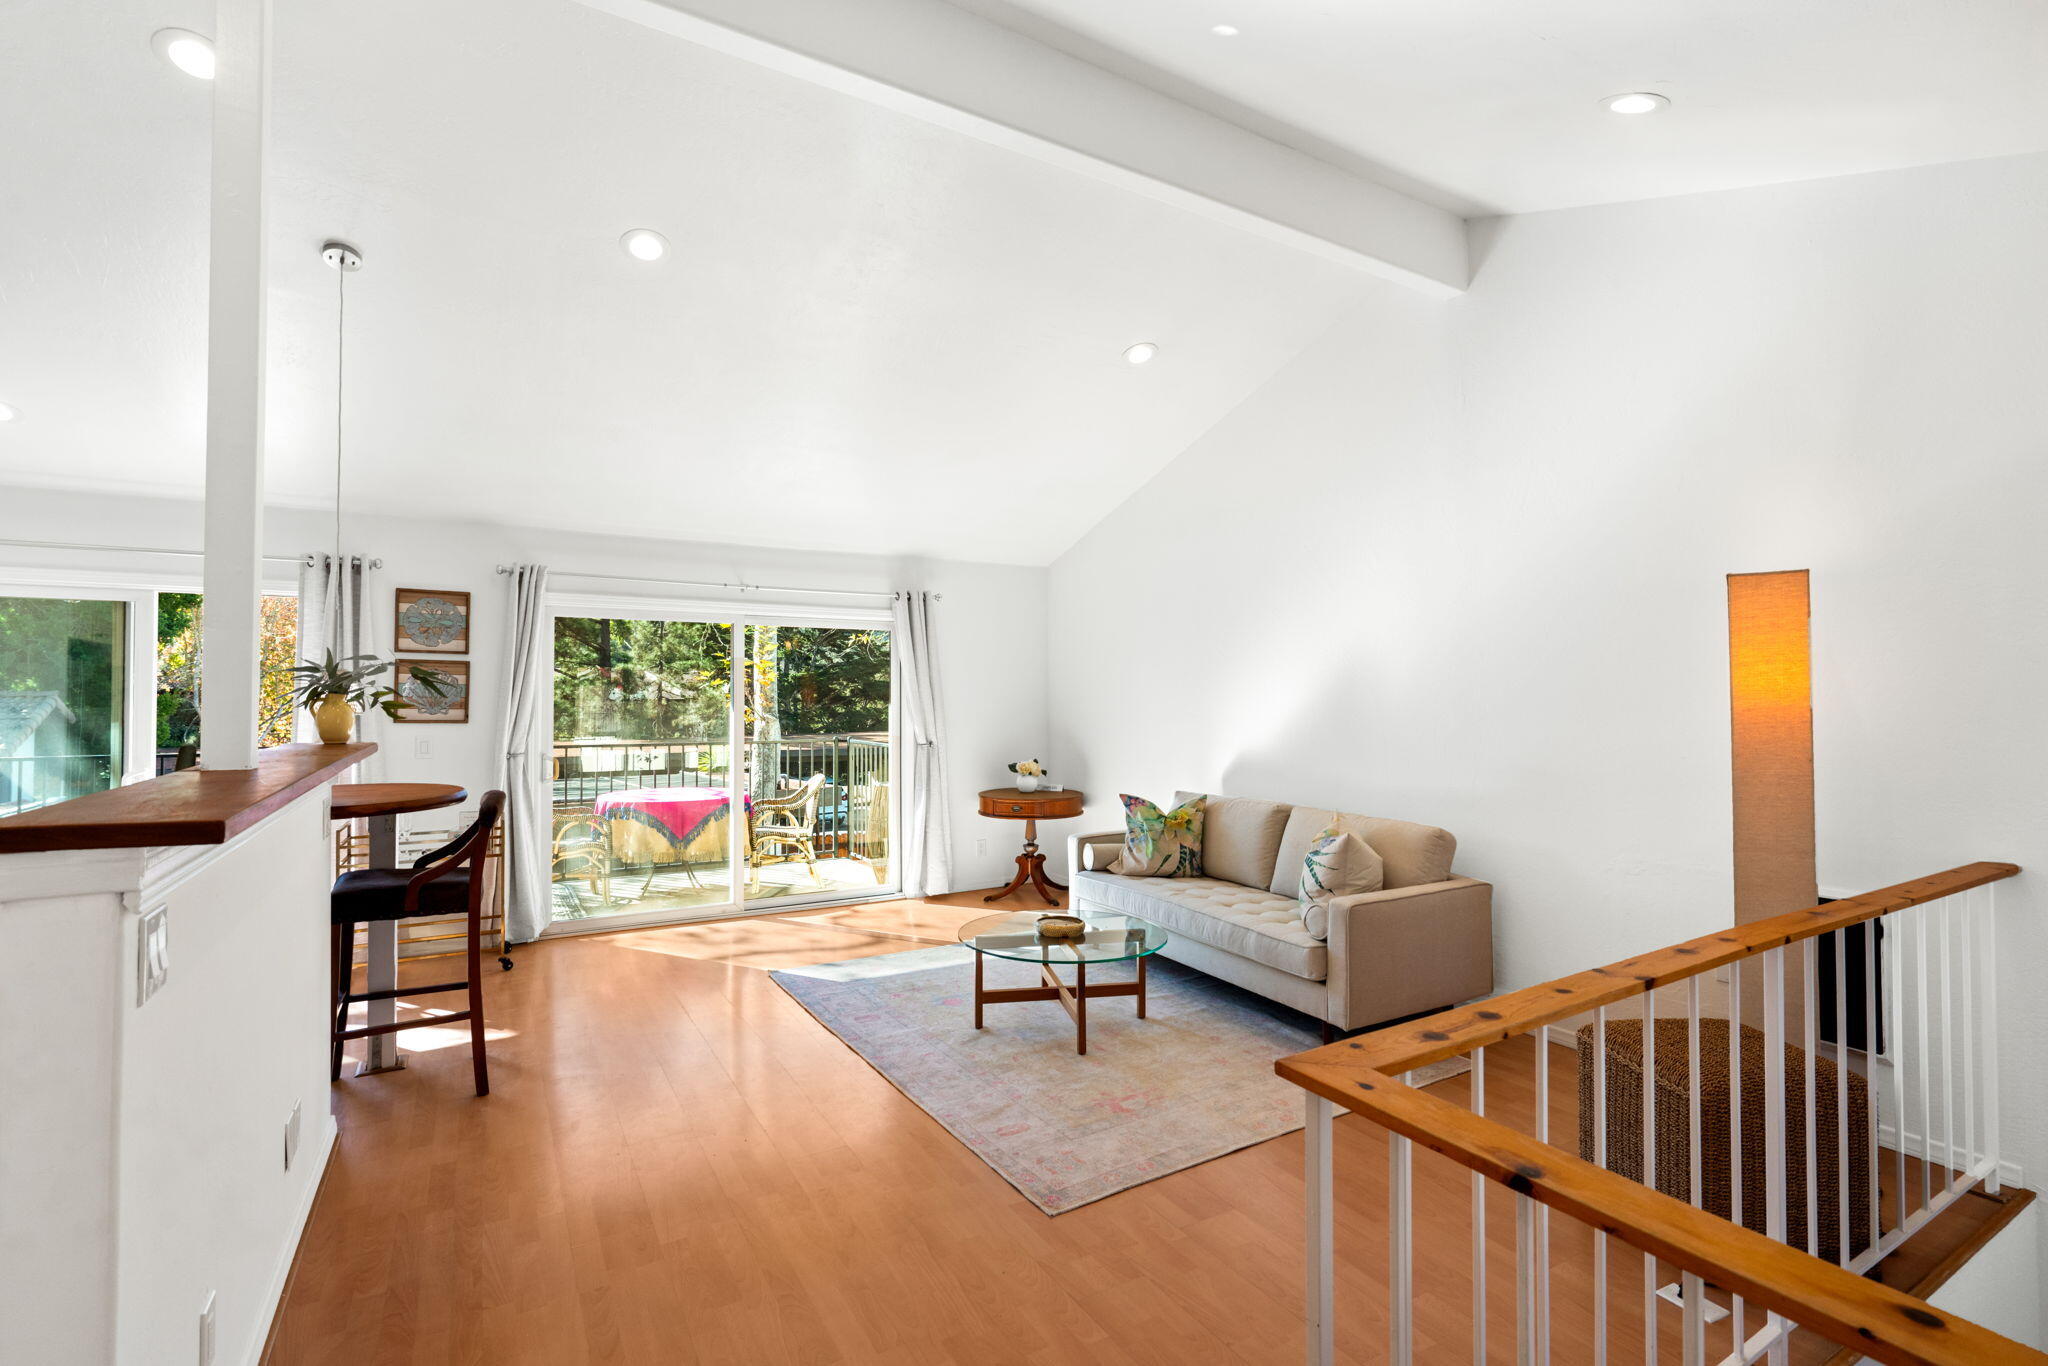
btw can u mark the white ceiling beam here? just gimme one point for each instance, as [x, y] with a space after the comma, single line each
[947, 66]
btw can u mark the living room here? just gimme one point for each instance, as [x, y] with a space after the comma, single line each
[852, 506]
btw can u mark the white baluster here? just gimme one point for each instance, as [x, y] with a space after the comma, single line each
[1774, 1116]
[1870, 1057]
[1599, 1160]
[1322, 1324]
[1967, 970]
[1542, 1041]
[1401, 1235]
[1842, 1251]
[1695, 1182]
[1923, 1060]
[1948, 1044]
[1738, 1161]
[1525, 1281]
[1479, 1220]
[1693, 1291]
[1649, 1060]
[1810, 1036]
[1987, 959]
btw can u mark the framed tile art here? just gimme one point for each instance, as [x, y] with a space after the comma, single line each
[430, 622]
[419, 704]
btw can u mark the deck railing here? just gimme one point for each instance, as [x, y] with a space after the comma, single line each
[30, 781]
[855, 767]
[1927, 1119]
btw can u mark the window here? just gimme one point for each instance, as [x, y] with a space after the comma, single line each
[63, 685]
[179, 617]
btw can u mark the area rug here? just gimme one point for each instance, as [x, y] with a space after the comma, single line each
[1192, 1081]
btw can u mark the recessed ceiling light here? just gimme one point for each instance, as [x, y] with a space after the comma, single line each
[644, 244]
[1635, 102]
[1142, 352]
[190, 52]
[1225, 30]
[7, 414]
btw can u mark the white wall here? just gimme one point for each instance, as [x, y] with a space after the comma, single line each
[2000, 1287]
[989, 619]
[1464, 563]
[142, 1144]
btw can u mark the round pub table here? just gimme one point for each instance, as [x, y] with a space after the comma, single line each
[381, 804]
[1008, 804]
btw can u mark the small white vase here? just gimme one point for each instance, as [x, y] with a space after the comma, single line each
[1027, 782]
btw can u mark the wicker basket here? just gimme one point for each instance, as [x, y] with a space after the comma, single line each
[1674, 1123]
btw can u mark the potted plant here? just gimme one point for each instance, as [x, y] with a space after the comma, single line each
[335, 689]
[1028, 772]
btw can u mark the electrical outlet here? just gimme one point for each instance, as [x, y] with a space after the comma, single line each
[291, 1135]
[981, 846]
[153, 953]
[206, 1332]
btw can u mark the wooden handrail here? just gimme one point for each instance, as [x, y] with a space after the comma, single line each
[1876, 1320]
[1362, 1076]
[1451, 1033]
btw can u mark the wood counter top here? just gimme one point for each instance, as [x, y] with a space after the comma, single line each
[194, 806]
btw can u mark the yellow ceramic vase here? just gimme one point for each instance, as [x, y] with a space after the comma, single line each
[334, 717]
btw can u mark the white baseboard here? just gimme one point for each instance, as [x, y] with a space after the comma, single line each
[2009, 1173]
[281, 1277]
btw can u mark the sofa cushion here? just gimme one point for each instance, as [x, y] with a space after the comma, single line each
[1241, 838]
[1242, 920]
[1161, 843]
[1412, 854]
[1339, 863]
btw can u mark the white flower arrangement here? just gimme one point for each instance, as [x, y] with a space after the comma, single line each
[1028, 768]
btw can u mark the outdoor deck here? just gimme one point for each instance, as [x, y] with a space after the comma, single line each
[635, 891]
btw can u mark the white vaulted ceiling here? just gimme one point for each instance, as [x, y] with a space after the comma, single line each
[871, 333]
[1492, 106]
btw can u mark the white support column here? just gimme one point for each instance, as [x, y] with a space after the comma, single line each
[233, 579]
[1322, 1326]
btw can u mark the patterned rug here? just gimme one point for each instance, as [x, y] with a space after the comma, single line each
[1192, 1081]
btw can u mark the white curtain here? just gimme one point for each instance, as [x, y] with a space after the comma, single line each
[926, 855]
[528, 706]
[331, 618]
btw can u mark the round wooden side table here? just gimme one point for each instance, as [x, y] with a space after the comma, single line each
[1008, 804]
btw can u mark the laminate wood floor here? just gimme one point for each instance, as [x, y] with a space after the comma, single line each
[677, 1164]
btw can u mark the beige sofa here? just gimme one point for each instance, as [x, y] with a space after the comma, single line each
[1423, 942]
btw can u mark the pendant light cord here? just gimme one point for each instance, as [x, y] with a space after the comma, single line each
[335, 576]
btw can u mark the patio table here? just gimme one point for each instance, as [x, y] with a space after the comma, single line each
[694, 820]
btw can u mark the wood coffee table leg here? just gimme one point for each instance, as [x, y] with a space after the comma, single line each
[977, 991]
[1080, 1007]
[1141, 984]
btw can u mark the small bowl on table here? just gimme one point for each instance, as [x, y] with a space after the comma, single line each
[1061, 927]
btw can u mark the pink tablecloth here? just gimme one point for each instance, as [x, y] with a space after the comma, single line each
[693, 820]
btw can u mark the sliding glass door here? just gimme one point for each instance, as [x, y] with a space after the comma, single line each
[703, 767]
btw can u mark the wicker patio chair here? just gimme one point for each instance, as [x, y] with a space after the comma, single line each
[788, 821]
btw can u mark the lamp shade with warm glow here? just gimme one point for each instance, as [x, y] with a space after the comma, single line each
[1770, 691]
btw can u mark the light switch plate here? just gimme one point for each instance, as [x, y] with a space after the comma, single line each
[423, 748]
[206, 1332]
[153, 953]
[291, 1135]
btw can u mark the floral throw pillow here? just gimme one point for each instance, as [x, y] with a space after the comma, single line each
[1338, 863]
[1162, 843]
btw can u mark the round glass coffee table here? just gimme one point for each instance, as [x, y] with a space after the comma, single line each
[1110, 938]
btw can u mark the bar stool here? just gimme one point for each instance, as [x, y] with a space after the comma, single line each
[447, 881]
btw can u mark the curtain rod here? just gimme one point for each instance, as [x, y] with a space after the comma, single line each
[150, 550]
[736, 587]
